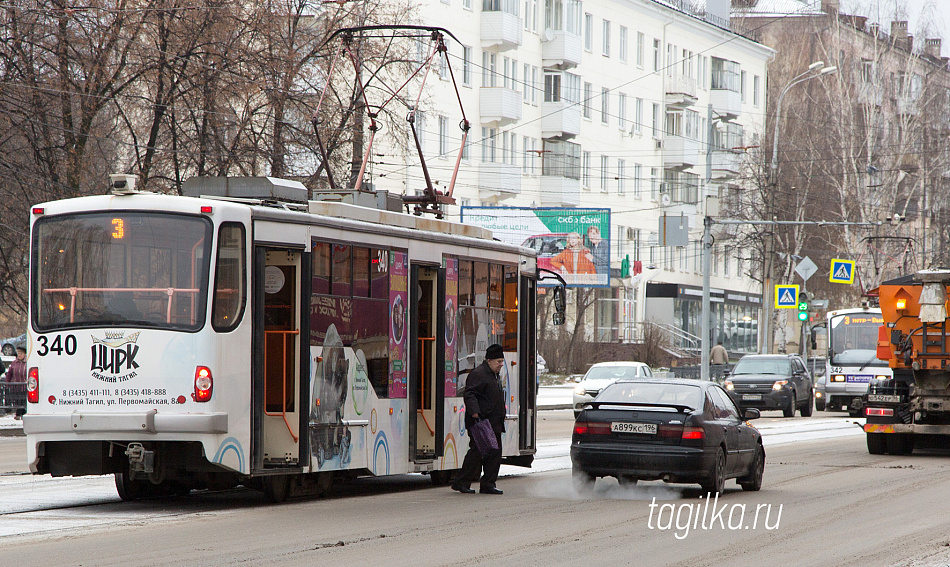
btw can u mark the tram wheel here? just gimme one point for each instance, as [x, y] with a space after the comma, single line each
[129, 490]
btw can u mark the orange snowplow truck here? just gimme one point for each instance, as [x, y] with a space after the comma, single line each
[913, 406]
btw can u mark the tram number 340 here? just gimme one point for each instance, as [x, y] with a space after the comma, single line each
[59, 345]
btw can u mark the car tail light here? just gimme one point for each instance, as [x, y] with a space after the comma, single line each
[204, 384]
[669, 431]
[879, 412]
[591, 428]
[33, 385]
[694, 433]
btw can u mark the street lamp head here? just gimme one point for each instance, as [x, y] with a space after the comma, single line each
[816, 65]
[828, 70]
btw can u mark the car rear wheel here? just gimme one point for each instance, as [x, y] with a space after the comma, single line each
[789, 410]
[753, 482]
[583, 481]
[716, 481]
[876, 443]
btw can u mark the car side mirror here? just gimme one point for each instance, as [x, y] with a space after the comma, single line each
[751, 413]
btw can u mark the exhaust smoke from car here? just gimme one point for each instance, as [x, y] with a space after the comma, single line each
[562, 488]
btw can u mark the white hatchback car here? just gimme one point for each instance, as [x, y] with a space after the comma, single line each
[603, 374]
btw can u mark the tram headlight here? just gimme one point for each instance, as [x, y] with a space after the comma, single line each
[204, 384]
[33, 385]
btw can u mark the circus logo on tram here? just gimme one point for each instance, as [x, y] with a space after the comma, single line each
[113, 357]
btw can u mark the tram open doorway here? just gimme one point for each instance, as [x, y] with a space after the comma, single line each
[279, 407]
[426, 362]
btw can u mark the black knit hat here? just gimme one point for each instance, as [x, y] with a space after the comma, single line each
[493, 352]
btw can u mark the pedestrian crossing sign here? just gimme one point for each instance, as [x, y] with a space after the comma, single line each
[786, 297]
[842, 271]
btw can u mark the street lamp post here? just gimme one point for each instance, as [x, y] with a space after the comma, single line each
[816, 69]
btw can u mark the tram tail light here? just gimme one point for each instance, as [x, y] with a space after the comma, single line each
[204, 384]
[33, 385]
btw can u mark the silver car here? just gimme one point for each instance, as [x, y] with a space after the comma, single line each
[603, 374]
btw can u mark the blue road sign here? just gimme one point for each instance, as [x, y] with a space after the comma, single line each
[842, 271]
[786, 297]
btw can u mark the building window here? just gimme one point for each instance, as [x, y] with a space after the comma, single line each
[640, 48]
[534, 85]
[637, 179]
[527, 71]
[443, 135]
[489, 68]
[655, 183]
[585, 179]
[755, 90]
[622, 112]
[742, 85]
[656, 121]
[467, 4]
[656, 55]
[588, 32]
[621, 176]
[604, 173]
[552, 87]
[604, 105]
[725, 75]
[466, 65]
[623, 44]
[466, 153]
[606, 42]
[488, 145]
[638, 116]
[588, 94]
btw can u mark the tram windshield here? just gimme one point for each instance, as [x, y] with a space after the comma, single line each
[854, 340]
[120, 269]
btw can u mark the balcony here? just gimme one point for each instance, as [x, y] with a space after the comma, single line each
[680, 92]
[500, 29]
[680, 152]
[498, 104]
[559, 191]
[498, 181]
[726, 104]
[725, 164]
[560, 120]
[563, 51]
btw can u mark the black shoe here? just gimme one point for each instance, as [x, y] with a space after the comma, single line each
[463, 489]
[491, 490]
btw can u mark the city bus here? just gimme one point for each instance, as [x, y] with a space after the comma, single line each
[242, 334]
[852, 360]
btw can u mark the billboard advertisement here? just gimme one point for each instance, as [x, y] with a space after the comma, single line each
[572, 242]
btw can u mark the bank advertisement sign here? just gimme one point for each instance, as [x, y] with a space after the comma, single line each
[573, 242]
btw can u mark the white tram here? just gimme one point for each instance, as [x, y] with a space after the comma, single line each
[243, 335]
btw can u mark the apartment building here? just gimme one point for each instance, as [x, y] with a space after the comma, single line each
[641, 107]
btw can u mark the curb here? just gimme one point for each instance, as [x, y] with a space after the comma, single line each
[556, 407]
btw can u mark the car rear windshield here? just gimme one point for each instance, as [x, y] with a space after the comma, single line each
[653, 393]
[611, 372]
[762, 366]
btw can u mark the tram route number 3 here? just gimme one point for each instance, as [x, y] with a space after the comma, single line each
[59, 345]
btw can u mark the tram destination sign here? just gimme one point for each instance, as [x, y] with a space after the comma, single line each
[573, 242]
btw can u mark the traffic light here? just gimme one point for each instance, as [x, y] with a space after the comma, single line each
[802, 307]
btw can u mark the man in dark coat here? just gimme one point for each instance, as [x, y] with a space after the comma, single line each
[484, 399]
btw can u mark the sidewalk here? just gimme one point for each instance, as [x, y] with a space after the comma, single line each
[10, 426]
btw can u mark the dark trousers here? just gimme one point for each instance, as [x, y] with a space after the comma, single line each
[474, 463]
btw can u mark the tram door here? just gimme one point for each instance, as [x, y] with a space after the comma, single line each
[280, 414]
[427, 362]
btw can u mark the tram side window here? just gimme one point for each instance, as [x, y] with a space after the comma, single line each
[360, 271]
[350, 292]
[465, 282]
[342, 274]
[230, 291]
[321, 267]
[511, 309]
[379, 273]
